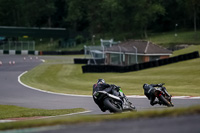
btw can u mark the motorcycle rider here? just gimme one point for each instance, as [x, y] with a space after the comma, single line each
[101, 85]
[149, 92]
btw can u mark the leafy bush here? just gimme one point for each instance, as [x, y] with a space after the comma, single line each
[79, 39]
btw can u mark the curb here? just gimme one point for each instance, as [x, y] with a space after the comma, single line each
[19, 52]
[173, 97]
[45, 117]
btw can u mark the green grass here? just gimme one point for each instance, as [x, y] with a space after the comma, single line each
[187, 50]
[181, 78]
[166, 39]
[98, 118]
[11, 111]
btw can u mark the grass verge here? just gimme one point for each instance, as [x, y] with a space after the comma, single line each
[168, 39]
[181, 78]
[11, 111]
[99, 118]
[187, 50]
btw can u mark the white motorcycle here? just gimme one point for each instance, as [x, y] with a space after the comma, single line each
[114, 104]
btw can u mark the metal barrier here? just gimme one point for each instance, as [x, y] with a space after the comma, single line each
[140, 66]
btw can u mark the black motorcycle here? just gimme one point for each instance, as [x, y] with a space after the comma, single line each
[163, 96]
[114, 104]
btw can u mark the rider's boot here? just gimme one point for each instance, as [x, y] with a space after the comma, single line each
[154, 102]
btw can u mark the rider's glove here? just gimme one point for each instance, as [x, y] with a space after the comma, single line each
[116, 87]
[160, 85]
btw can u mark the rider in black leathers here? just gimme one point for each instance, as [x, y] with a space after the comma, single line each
[149, 91]
[102, 86]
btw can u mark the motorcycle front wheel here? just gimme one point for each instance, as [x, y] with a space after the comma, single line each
[111, 106]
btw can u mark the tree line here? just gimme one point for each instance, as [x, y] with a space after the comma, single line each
[135, 17]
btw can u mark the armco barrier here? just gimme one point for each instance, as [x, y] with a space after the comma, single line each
[1, 51]
[80, 61]
[136, 67]
[88, 61]
[18, 52]
[5, 52]
[96, 61]
[31, 52]
[61, 52]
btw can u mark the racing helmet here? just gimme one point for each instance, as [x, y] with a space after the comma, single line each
[145, 85]
[101, 81]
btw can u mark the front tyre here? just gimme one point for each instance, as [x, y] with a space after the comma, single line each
[172, 105]
[161, 98]
[112, 106]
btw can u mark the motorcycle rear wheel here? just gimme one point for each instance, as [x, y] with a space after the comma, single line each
[161, 98]
[111, 106]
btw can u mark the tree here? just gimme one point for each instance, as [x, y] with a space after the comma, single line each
[77, 17]
[42, 10]
[11, 12]
[60, 13]
[147, 11]
[116, 17]
[111, 12]
[193, 7]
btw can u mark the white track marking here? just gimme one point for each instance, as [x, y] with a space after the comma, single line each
[173, 97]
[42, 60]
[77, 113]
[47, 91]
[3, 121]
[88, 111]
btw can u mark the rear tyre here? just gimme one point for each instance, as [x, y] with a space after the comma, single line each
[111, 106]
[161, 98]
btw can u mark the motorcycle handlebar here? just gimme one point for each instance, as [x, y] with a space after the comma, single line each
[115, 86]
[161, 84]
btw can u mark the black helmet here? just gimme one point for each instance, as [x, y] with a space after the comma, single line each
[145, 85]
[101, 81]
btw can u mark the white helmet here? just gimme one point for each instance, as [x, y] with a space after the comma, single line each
[101, 81]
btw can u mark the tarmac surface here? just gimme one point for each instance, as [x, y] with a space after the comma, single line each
[14, 93]
[181, 124]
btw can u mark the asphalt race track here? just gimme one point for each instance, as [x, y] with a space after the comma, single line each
[13, 93]
[182, 124]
